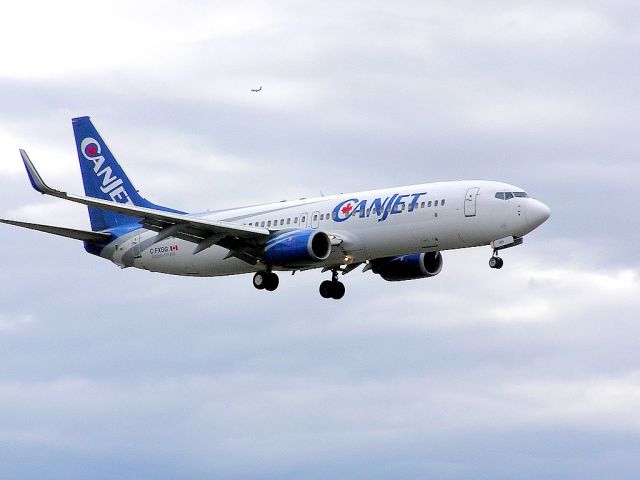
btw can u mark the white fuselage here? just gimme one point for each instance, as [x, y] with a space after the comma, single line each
[364, 225]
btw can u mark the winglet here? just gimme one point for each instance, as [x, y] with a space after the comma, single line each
[35, 178]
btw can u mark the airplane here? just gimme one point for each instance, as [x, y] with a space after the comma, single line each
[397, 233]
[256, 89]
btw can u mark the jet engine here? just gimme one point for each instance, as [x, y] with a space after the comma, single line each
[408, 267]
[297, 247]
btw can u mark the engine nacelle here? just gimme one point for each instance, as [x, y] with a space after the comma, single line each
[408, 267]
[297, 247]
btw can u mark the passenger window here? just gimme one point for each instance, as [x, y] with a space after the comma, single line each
[282, 221]
[429, 204]
[435, 204]
[315, 218]
[295, 220]
[422, 205]
[322, 216]
[303, 219]
[442, 203]
[269, 223]
[288, 221]
[508, 195]
[262, 224]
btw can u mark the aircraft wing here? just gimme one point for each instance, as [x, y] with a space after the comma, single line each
[61, 231]
[198, 230]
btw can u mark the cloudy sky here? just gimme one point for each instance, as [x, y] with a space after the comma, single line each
[529, 372]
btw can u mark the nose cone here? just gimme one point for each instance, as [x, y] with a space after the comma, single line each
[536, 213]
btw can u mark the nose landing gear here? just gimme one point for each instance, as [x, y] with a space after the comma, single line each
[495, 261]
[505, 242]
[332, 288]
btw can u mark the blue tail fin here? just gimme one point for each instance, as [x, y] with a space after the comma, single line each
[103, 178]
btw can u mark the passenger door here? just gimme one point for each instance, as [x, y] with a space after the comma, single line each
[470, 202]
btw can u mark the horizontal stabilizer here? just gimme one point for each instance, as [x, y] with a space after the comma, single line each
[61, 231]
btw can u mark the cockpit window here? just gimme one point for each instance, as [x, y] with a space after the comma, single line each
[510, 195]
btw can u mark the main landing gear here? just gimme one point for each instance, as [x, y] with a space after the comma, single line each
[495, 261]
[332, 288]
[266, 280]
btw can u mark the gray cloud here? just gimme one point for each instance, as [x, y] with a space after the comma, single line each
[528, 372]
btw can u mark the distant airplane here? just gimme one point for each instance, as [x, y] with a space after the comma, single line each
[397, 233]
[256, 89]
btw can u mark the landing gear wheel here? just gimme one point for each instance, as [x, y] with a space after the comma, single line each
[272, 282]
[260, 280]
[338, 290]
[326, 289]
[332, 289]
[496, 262]
[266, 280]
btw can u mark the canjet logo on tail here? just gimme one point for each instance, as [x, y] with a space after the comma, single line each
[381, 208]
[111, 184]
